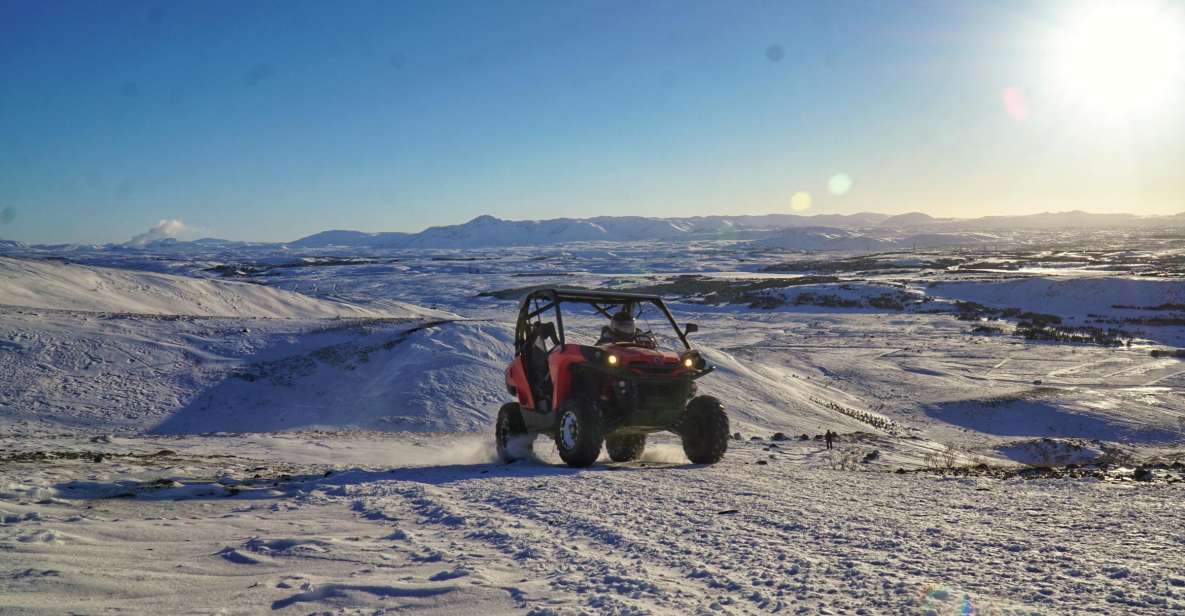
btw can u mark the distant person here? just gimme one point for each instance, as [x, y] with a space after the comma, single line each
[829, 437]
[621, 329]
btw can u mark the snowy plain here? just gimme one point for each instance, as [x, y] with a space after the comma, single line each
[310, 430]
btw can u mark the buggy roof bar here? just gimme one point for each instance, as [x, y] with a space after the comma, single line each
[559, 295]
[581, 295]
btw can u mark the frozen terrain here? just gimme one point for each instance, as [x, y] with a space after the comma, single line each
[361, 523]
[307, 428]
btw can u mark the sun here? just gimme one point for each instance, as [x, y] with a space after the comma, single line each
[1120, 59]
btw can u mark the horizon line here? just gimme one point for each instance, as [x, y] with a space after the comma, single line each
[182, 228]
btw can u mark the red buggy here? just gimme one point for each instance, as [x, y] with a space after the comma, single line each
[613, 393]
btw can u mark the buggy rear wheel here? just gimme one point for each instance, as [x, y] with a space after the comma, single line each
[579, 434]
[510, 434]
[704, 428]
[626, 447]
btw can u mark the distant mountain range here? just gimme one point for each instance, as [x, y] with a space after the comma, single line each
[488, 231]
[819, 232]
[811, 232]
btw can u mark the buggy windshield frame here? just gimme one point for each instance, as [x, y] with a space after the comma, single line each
[540, 301]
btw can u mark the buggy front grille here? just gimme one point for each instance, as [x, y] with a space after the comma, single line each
[663, 393]
[654, 369]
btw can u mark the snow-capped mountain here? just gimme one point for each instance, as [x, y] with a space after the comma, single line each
[822, 238]
[904, 221]
[863, 231]
[338, 237]
[489, 231]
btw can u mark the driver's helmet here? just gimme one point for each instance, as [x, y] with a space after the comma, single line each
[622, 324]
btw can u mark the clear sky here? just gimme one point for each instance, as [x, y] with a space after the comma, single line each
[272, 120]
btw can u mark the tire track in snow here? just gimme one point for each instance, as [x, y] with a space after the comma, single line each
[482, 525]
[621, 539]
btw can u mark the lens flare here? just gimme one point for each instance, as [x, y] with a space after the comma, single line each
[839, 184]
[801, 201]
[1015, 104]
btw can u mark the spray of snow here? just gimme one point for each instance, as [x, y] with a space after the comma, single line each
[461, 449]
[666, 454]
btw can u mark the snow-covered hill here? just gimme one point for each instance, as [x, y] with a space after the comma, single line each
[1071, 296]
[904, 221]
[122, 414]
[178, 375]
[191, 355]
[824, 238]
[60, 286]
[343, 238]
[435, 377]
[438, 371]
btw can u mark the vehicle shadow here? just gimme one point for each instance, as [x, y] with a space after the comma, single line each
[441, 475]
[283, 486]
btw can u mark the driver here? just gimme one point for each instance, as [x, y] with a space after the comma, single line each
[621, 329]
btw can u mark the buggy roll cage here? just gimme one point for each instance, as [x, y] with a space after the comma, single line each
[541, 300]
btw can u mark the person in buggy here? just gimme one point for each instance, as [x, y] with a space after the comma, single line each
[623, 330]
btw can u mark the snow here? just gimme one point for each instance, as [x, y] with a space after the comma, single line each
[392, 378]
[245, 429]
[912, 219]
[46, 284]
[1077, 295]
[643, 537]
[821, 238]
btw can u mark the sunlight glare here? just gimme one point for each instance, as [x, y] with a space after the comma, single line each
[1120, 58]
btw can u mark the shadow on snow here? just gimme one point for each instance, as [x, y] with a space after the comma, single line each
[175, 488]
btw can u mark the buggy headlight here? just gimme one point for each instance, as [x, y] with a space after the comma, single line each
[692, 359]
[612, 359]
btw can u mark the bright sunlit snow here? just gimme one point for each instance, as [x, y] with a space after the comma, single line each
[309, 427]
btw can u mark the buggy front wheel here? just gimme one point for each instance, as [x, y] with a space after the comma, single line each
[704, 429]
[579, 435]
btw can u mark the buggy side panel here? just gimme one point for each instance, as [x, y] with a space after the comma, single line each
[560, 364]
[517, 384]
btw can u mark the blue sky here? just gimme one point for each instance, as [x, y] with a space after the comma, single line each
[273, 120]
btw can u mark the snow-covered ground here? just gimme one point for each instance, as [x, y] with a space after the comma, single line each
[311, 432]
[365, 523]
[64, 286]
